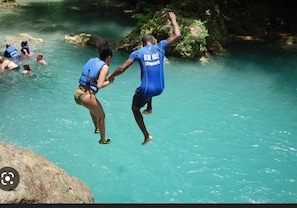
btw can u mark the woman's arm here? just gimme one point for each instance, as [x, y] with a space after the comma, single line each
[102, 81]
[26, 51]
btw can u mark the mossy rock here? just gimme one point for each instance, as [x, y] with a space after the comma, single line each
[191, 44]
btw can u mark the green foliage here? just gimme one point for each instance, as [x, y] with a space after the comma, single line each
[223, 17]
[142, 19]
[194, 34]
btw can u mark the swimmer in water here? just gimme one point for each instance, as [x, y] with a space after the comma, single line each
[25, 49]
[40, 60]
[6, 64]
[151, 60]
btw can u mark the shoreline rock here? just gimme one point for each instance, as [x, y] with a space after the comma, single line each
[41, 181]
[82, 38]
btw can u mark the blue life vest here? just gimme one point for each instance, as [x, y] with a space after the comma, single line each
[12, 51]
[90, 73]
[25, 47]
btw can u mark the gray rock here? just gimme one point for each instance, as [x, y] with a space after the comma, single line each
[41, 181]
[82, 39]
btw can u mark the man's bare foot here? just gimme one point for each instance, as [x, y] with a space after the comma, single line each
[147, 140]
[147, 111]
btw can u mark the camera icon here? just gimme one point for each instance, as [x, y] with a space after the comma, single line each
[9, 178]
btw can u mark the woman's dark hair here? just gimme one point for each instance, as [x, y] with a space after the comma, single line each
[26, 67]
[24, 43]
[103, 49]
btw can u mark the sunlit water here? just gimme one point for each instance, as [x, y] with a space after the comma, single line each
[224, 132]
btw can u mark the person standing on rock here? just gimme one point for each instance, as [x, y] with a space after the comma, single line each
[150, 58]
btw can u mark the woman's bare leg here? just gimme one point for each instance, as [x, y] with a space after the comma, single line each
[95, 122]
[97, 111]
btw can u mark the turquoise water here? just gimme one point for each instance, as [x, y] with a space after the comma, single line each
[224, 132]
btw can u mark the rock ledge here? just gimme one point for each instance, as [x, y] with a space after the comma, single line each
[41, 181]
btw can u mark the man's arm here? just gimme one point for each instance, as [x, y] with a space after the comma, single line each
[176, 30]
[121, 69]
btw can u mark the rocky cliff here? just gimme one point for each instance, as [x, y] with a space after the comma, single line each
[29, 178]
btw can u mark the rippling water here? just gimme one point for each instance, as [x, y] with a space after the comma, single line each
[224, 132]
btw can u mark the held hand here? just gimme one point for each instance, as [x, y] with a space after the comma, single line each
[111, 79]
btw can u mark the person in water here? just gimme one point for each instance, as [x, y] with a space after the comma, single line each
[25, 49]
[94, 77]
[150, 58]
[27, 69]
[6, 64]
[11, 52]
[39, 59]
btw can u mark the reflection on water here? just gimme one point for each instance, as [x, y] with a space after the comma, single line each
[224, 132]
